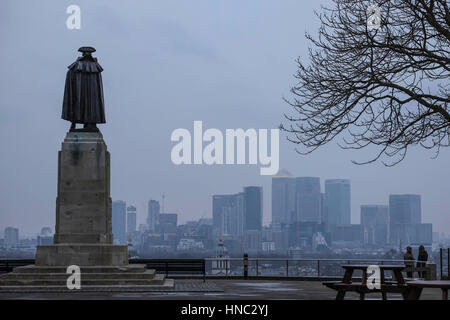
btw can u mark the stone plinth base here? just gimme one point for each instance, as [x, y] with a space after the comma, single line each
[93, 278]
[83, 204]
[78, 254]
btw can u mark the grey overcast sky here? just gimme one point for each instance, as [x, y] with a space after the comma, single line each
[168, 63]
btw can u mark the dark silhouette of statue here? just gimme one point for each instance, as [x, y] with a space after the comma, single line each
[83, 93]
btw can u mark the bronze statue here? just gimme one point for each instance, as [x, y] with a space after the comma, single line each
[83, 93]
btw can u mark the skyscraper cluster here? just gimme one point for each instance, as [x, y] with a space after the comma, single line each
[399, 223]
[299, 199]
[301, 210]
[235, 214]
[304, 213]
[239, 216]
[303, 218]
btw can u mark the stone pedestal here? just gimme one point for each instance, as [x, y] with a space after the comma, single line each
[82, 255]
[83, 232]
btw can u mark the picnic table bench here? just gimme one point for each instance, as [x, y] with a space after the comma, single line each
[397, 286]
[415, 288]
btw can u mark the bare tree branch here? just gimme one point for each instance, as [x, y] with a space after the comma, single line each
[387, 87]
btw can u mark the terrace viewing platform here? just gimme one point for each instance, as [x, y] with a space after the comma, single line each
[228, 278]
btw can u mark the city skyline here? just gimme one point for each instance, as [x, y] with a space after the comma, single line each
[142, 216]
[237, 219]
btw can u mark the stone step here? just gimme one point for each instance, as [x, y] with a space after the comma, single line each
[148, 274]
[167, 285]
[158, 279]
[132, 268]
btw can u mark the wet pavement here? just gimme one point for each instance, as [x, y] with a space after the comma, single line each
[220, 290]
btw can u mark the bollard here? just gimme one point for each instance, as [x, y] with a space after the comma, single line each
[431, 273]
[245, 265]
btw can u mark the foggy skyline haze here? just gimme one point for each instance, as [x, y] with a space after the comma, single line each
[167, 64]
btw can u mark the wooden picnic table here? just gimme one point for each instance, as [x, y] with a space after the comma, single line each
[395, 268]
[398, 286]
[415, 288]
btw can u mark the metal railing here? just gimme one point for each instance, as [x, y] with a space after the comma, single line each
[235, 267]
[315, 266]
[7, 265]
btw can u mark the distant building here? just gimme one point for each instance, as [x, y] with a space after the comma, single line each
[153, 214]
[424, 233]
[228, 214]
[46, 232]
[375, 223]
[268, 246]
[301, 233]
[436, 237]
[44, 241]
[205, 221]
[234, 214]
[252, 241]
[189, 244]
[167, 223]
[402, 234]
[205, 234]
[405, 208]
[283, 198]
[319, 243]
[308, 199]
[253, 211]
[296, 252]
[131, 219]
[351, 234]
[240, 213]
[224, 214]
[221, 266]
[405, 212]
[168, 218]
[45, 237]
[337, 201]
[280, 236]
[119, 221]
[11, 237]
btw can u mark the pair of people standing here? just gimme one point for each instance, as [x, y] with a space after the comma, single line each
[408, 257]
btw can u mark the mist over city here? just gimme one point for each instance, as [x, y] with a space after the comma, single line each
[229, 133]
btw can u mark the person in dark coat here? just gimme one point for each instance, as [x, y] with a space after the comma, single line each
[83, 94]
[421, 260]
[408, 257]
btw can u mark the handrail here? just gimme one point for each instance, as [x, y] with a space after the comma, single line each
[200, 263]
[308, 259]
[136, 260]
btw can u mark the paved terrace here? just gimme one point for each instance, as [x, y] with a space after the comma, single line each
[215, 289]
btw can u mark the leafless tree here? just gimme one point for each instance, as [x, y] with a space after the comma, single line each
[386, 86]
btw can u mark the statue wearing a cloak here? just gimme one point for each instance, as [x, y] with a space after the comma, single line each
[83, 93]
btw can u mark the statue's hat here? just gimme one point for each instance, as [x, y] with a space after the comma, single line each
[86, 50]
